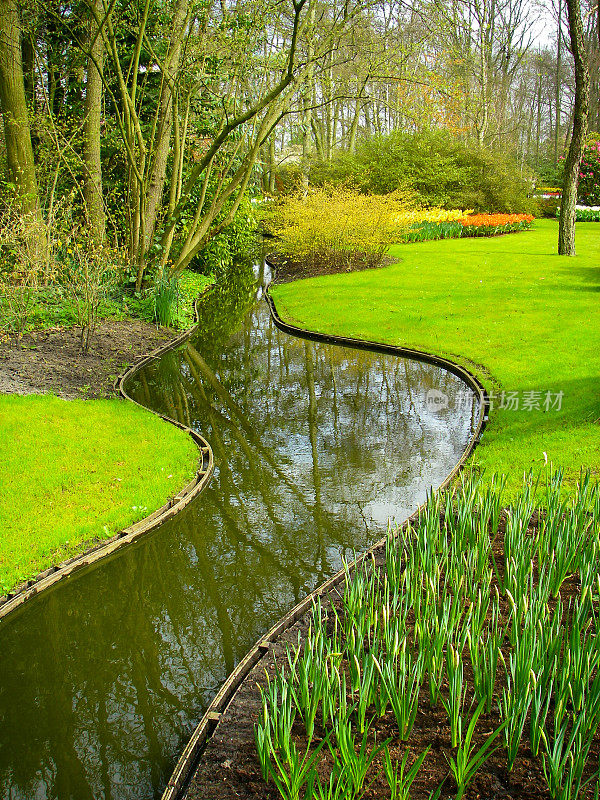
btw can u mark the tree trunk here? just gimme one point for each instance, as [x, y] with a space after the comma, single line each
[158, 172]
[558, 84]
[566, 225]
[19, 152]
[272, 166]
[28, 55]
[92, 188]
[354, 125]
[538, 120]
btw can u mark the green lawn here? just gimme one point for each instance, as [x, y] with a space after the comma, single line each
[75, 471]
[519, 316]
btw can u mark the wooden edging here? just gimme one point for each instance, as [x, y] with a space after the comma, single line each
[189, 758]
[51, 576]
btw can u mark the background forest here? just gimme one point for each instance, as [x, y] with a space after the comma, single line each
[137, 133]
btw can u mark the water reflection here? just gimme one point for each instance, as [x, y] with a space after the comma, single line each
[316, 447]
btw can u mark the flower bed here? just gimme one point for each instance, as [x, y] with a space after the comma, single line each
[494, 224]
[587, 213]
[425, 226]
[469, 662]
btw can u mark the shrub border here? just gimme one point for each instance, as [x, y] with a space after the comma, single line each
[51, 576]
[192, 753]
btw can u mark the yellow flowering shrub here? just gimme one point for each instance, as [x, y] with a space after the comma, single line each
[337, 229]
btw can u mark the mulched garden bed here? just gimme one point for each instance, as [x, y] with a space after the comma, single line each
[288, 270]
[229, 767]
[52, 360]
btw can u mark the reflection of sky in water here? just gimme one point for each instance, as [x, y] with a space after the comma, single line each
[316, 448]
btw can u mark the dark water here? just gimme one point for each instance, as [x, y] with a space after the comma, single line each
[104, 678]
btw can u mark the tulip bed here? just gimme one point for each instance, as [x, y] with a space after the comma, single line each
[465, 225]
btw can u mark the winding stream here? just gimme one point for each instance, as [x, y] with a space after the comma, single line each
[104, 677]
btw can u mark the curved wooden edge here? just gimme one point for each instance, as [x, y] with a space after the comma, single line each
[51, 576]
[207, 725]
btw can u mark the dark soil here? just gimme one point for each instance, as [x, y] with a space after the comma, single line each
[288, 270]
[229, 767]
[53, 361]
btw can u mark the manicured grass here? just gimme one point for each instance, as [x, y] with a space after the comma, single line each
[519, 316]
[75, 471]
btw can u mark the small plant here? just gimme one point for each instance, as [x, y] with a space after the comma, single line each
[540, 703]
[465, 763]
[456, 694]
[399, 778]
[295, 773]
[348, 762]
[485, 653]
[87, 276]
[165, 297]
[402, 682]
[23, 269]
[366, 688]
[335, 789]
[16, 304]
[565, 756]
[278, 713]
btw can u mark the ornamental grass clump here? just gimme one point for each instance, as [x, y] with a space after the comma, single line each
[495, 612]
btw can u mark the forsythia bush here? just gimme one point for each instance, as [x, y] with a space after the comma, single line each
[338, 228]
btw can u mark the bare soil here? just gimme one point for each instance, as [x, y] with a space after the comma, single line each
[229, 767]
[288, 270]
[52, 360]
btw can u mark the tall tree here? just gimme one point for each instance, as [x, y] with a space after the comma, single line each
[17, 136]
[92, 128]
[558, 87]
[566, 226]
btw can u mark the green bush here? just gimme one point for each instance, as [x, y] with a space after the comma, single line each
[548, 206]
[234, 241]
[170, 301]
[442, 170]
[588, 190]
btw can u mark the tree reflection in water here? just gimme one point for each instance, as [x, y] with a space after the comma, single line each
[316, 447]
